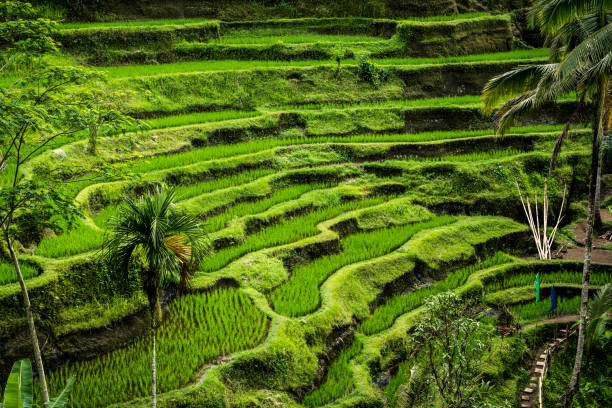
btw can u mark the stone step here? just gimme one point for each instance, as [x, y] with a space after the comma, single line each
[525, 397]
[538, 371]
[534, 379]
[525, 405]
[528, 390]
[560, 340]
[540, 364]
[543, 356]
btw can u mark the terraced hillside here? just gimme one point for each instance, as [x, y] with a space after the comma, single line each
[344, 172]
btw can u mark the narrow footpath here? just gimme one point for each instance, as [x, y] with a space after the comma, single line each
[530, 397]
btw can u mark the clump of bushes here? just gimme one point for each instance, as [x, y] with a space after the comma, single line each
[370, 72]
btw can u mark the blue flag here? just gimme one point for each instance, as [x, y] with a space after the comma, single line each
[553, 298]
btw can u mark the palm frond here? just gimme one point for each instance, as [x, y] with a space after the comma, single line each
[595, 74]
[179, 245]
[575, 118]
[513, 111]
[590, 51]
[550, 15]
[552, 86]
[557, 147]
[570, 35]
[511, 84]
[601, 304]
[170, 242]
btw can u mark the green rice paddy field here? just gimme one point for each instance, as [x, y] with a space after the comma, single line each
[335, 203]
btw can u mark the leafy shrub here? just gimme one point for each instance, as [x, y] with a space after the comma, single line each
[369, 72]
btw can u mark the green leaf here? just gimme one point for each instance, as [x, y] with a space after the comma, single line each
[18, 392]
[61, 399]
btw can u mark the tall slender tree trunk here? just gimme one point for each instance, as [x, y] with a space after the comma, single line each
[598, 223]
[455, 8]
[153, 364]
[26, 300]
[586, 270]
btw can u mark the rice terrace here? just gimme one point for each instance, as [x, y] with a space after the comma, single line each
[306, 203]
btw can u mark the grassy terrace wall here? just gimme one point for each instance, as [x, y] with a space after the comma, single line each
[240, 10]
[461, 37]
[374, 27]
[163, 95]
[88, 39]
[130, 44]
[67, 282]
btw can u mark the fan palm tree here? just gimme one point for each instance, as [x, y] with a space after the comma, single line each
[579, 33]
[164, 242]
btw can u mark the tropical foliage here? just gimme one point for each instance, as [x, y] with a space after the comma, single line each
[338, 193]
[18, 392]
[165, 243]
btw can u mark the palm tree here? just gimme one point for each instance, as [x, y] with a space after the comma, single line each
[599, 316]
[579, 34]
[164, 242]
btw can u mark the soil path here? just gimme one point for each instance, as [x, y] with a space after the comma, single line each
[598, 255]
[529, 398]
[560, 319]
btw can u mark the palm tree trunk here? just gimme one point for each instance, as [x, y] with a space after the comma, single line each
[26, 300]
[586, 270]
[598, 223]
[153, 365]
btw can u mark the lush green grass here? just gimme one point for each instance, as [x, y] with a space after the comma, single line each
[81, 238]
[217, 222]
[198, 329]
[8, 274]
[182, 21]
[145, 165]
[286, 231]
[198, 117]
[300, 295]
[96, 314]
[84, 237]
[102, 218]
[418, 137]
[526, 279]
[149, 164]
[384, 315]
[452, 17]
[475, 156]
[272, 36]
[535, 53]
[185, 192]
[401, 377]
[339, 381]
[226, 65]
[135, 23]
[531, 312]
[467, 100]
[447, 101]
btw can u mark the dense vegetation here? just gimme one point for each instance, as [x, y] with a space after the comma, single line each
[271, 203]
